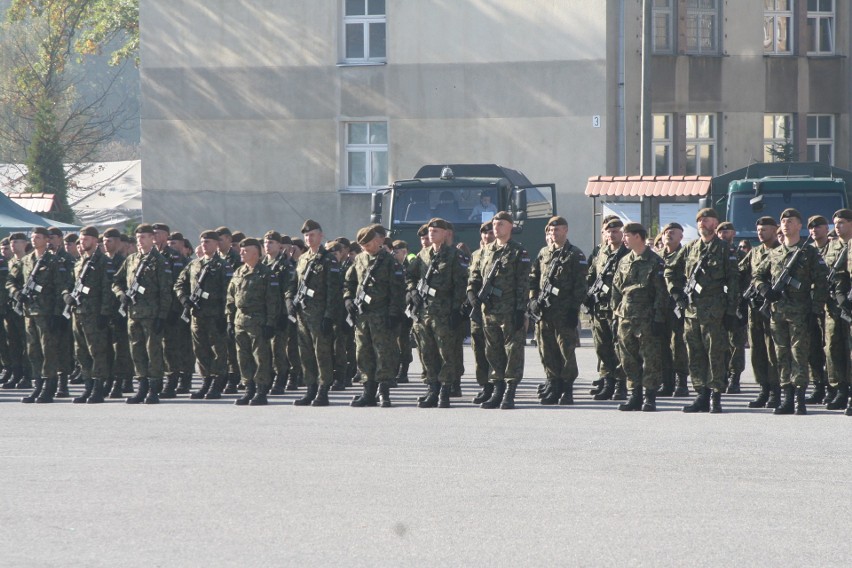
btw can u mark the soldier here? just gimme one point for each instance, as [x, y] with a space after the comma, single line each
[792, 308]
[185, 358]
[639, 302]
[601, 270]
[121, 367]
[436, 283]
[64, 335]
[818, 229]
[477, 333]
[837, 307]
[91, 302]
[763, 360]
[703, 279]
[35, 284]
[279, 264]
[143, 286]
[14, 326]
[201, 289]
[5, 354]
[341, 328]
[458, 338]
[253, 307]
[314, 301]
[499, 287]
[70, 244]
[737, 337]
[373, 292]
[232, 258]
[675, 364]
[401, 256]
[557, 290]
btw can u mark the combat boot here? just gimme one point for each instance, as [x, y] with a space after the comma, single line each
[154, 388]
[25, 383]
[509, 397]
[830, 392]
[339, 384]
[12, 382]
[608, 389]
[75, 378]
[545, 389]
[444, 396]
[4, 375]
[233, 380]
[259, 398]
[322, 396]
[620, 390]
[634, 402]
[716, 402]
[455, 388]
[278, 384]
[817, 395]
[849, 409]
[309, 397]
[801, 409]
[484, 394]
[681, 388]
[734, 384]
[115, 391]
[668, 386]
[216, 386]
[184, 383]
[539, 388]
[701, 402]
[431, 398]
[774, 397]
[171, 387]
[762, 398]
[384, 394]
[87, 392]
[97, 394]
[402, 374]
[368, 395]
[650, 404]
[62, 386]
[39, 385]
[787, 404]
[127, 386]
[840, 400]
[293, 381]
[140, 395]
[567, 397]
[47, 391]
[598, 385]
[203, 390]
[496, 395]
[551, 395]
[251, 390]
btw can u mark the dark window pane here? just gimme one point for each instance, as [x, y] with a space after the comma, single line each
[376, 7]
[354, 41]
[377, 41]
[354, 7]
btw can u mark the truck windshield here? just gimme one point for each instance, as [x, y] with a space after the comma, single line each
[816, 203]
[458, 205]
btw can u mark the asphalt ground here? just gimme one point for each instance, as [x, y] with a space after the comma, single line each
[206, 483]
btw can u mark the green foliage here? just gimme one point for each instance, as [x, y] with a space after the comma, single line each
[45, 161]
[108, 20]
[784, 151]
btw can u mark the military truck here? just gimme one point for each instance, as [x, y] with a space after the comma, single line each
[467, 195]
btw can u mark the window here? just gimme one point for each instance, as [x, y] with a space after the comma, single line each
[778, 138]
[662, 145]
[821, 138]
[364, 23]
[662, 27]
[366, 155]
[702, 26]
[820, 32]
[700, 144]
[778, 27]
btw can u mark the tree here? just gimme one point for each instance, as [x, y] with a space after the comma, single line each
[783, 151]
[45, 164]
[108, 20]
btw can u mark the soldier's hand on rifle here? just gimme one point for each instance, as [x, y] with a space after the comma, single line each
[291, 308]
[412, 298]
[533, 307]
[351, 308]
[22, 299]
[572, 318]
[187, 303]
[678, 295]
[68, 299]
[124, 300]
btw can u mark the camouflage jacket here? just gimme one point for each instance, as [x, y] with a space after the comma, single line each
[52, 277]
[448, 279]
[386, 288]
[839, 282]
[719, 280]
[511, 278]
[568, 279]
[254, 297]
[96, 297]
[156, 279]
[600, 258]
[282, 270]
[323, 278]
[638, 288]
[809, 270]
[215, 285]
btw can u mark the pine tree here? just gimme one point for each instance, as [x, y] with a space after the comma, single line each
[45, 162]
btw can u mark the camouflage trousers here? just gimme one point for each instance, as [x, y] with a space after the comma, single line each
[92, 346]
[316, 350]
[604, 337]
[121, 365]
[280, 361]
[504, 347]
[639, 352]
[556, 343]
[792, 347]
[736, 348]
[436, 342]
[254, 355]
[340, 351]
[5, 352]
[65, 347]
[16, 338]
[177, 346]
[210, 345]
[376, 348]
[41, 346]
[764, 362]
[477, 343]
[673, 351]
[837, 349]
[146, 348]
[707, 346]
[816, 351]
[404, 342]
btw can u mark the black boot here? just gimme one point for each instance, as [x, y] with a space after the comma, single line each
[12, 382]
[431, 398]
[787, 405]
[801, 409]
[233, 380]
[259, 398]
[87, 392]
[322, 396]
[455, 388]
[216, 386]
[830, 392]
[444, 396]
[25, 383]
[251, 390]
[849, 410]
[127, 386]
[567, 398]
[155, 386]
[205, 388]
[402, 374]
[39, 385]
[681, 388]
[840, 400]
[368, 395]
[48, 391]
[551, 396]
[97, 395]
[293, 381]
[761, 399]
[169, 391]
[634, 402]
[817, 395]
[620, 390]
[650, 404]
[140, 395]
[309, 397]
[509, 397]
[701, 402]
[716, 402]
[75, 377]
[599, 385]
[184, 383]
[384, 394]
[608, 389]
[62, 386]
[544, 389]
[4, 375]
[733, 384]
[339, 383]
[484, 394]
[774, 397]
[115, 391]
[278, 384]
[668, 386]
[496, 395]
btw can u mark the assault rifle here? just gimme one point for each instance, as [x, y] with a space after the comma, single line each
[30, 289]
[692, 287]
[784, 279]
[549, 291]
[136, 288]
[198, 292]
[751, 297]
[838, 264]
[600, 289]
[304, 291]
[422, 292]
[80, 288]
[362, 298]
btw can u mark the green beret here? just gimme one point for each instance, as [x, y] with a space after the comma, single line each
[17, 237]
[310, 225]
[73, 238]
[634, 228]
[286, 240]
[790, 212]
[4, 241]
[223, 231]
[161, 227]
[438, 223]
[238, 236]
[112, 232]
[816, 221]
[766, 221]
[126, 238]
[272, 236]
[88, 232]
[333, 246]
[486, 227]
[40, 231]
[365, 235]
[612, 223]
[706, 212]
[176, 236]
[556, 221]
[209, 235]
[672, 225]
[301, 244]
[502, 216]
[250, 242]
[423, 230]
[54, 231]
[344, 241]
[725, 226]
[399, 245]
[843, 214]
[144, 228]
[379, 229]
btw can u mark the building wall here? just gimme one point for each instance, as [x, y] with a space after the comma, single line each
[244, 104]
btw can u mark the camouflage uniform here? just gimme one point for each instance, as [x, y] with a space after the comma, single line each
[121, 365]
[764, 363]
[675, 363]
[5, 352]
[281, 268]
[233, 260]
[837, 339]
[737, 339]
[65, 334]
[177, 336]
[477, 336]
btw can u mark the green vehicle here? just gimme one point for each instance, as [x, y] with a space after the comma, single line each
[467, 195]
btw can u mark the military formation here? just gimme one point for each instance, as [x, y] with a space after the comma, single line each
[140, 315]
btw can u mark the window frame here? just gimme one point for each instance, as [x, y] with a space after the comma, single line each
[776, 15]
[665, 142]
[700, 13]
[818, 16]
[365, 21]
[773, 141]
[370, 149]
[819, 141]
[667, 12]
[698, 142]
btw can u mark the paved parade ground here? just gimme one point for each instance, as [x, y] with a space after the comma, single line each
[206, 483]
